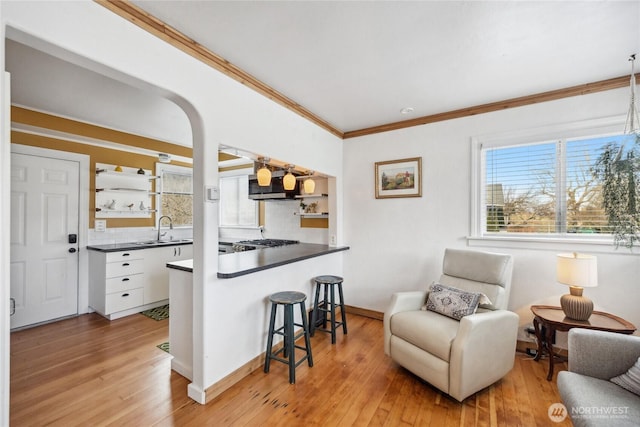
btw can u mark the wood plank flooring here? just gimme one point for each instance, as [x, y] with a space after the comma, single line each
[87, 371]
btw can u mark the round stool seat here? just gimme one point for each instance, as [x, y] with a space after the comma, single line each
[287, 297]
[328, 279]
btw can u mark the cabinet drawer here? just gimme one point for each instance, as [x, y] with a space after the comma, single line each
[124, 300]
[124, 256]
[123, 283]
[124, 268]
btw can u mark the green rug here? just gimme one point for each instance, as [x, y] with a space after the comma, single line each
[158, 313]
[164, 346]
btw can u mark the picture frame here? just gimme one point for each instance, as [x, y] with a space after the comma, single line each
[398, 178]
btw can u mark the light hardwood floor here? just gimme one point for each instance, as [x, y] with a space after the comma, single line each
[87, 371]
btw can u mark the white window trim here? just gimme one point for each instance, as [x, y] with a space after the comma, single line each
[160, 168]
[603, 244]
[237, 172]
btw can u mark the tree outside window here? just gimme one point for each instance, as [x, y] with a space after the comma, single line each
[176, 194]
[547, 188]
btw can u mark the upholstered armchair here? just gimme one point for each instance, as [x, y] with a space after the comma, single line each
[598, 389]
[459, 357]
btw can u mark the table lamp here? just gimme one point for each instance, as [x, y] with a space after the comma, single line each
[578, 271]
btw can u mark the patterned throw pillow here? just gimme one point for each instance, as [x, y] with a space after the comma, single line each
[630, 380]
[452, 302]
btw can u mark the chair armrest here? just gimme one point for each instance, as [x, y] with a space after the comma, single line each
[401, 301]
[601, 354]
[483, 351]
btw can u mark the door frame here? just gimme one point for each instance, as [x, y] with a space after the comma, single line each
[83, 212]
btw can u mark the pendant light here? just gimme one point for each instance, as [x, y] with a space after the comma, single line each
[264, 174]
[309, 184]
[632, 125]
[289, 181]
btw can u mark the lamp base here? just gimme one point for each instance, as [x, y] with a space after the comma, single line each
[575, 306]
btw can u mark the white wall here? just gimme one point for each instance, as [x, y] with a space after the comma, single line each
[397, 244]
[221, 111]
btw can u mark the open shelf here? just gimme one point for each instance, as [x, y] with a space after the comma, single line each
[121, 194]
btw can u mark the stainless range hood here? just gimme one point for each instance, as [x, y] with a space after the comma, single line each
[275, 191]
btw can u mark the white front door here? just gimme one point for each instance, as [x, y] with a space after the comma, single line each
[44, 216]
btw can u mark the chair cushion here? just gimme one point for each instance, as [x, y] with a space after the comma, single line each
[588, 399]
[427, 330]
[452, 302]
[482, 267]
[484, 272]
[630, 380]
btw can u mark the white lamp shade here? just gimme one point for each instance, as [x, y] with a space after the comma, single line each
[577, 270]
[264, 177]
[309, 186]
[289, 181]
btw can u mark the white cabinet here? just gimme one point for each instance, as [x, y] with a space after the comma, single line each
[156, 272]
[116, 281]
[127, 282]
[123, 192]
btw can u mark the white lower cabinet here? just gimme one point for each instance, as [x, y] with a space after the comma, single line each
[156, 273]
[127, 282]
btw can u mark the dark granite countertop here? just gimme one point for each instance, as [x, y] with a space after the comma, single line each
[241, 263]
[132, 246]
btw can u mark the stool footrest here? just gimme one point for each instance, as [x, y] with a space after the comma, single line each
[286, 361]
[328, 329]
[280, 331]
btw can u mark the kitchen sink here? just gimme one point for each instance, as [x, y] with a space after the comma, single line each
[162, 242]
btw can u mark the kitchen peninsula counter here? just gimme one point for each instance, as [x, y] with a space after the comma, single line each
[247, 262]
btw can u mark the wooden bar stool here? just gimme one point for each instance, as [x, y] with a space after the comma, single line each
[288, 350]
[328, 306]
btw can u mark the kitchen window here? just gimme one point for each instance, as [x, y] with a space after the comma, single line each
[175, 194]
[541, 188]
[236, 209]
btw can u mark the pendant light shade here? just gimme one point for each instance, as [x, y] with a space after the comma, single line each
[309, 184]
[264, 174]
[289, 181]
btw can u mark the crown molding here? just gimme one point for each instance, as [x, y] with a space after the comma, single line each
[179, 40]
[583, 89]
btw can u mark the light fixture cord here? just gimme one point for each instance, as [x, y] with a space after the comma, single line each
[633, 120]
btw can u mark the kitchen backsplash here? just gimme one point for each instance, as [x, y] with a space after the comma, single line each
[133, 234]
[281, 222]
[281, 219]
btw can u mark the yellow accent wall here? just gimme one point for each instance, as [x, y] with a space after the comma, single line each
[96, 154]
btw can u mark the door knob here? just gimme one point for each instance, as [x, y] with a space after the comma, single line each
[72, 250]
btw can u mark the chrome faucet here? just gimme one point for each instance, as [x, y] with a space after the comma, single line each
[160, 223]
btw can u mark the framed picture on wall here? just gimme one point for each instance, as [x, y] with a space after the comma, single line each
[399, 178]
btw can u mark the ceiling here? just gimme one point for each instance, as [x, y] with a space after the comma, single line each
[357, 64]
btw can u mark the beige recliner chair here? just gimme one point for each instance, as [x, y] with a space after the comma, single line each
[459, 357]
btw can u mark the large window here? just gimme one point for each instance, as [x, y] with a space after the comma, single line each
[546, 188]
[176, 194]
[236, 209]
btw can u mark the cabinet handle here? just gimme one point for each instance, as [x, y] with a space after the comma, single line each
[125, 264]
[125, 254]
[125, 295]
[126, 279]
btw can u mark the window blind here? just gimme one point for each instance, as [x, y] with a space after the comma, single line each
[544, 188]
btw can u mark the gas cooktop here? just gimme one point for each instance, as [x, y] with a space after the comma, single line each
[270, 243]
